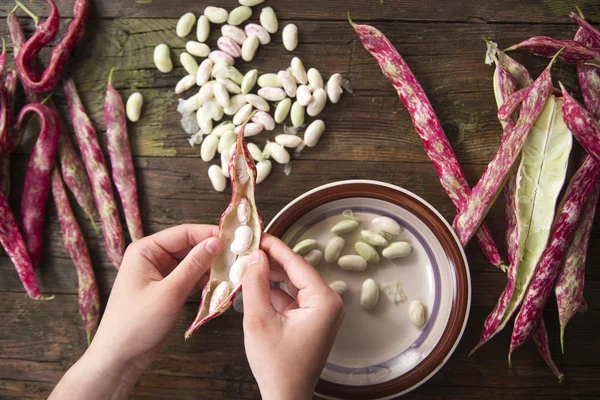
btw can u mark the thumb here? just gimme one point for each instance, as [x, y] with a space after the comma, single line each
[192, 268]
[256, 288]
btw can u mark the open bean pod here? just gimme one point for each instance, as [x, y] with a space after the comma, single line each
[240, 230]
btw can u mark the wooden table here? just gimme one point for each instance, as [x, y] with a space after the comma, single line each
[369, 135]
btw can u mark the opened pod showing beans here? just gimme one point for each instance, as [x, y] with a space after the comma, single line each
[240, 230]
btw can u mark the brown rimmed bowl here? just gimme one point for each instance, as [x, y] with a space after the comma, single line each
[379, 354]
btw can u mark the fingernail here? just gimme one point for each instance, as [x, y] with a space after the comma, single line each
[255, 257]
[213, 246]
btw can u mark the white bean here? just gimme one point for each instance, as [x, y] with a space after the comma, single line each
[317, 104]
[264, 119]
[297, 114]
[241, 170]
[203, 29]
[255, 152]
[204, 70]
[315, 80]
[303, 95]
[221, 56]
[249, 81]
[197, 49]
[185, 24]
[239, 15]
[417, 313]
[216, 15]
[250, 3]
[243, 211]
[272, 94]
[185, 83]
[292, 141]
[254, 29]
[298, 71]
[279, 153]
[288, 83]
[133, 109]
[234, 33]
[282, 110]
[369, 295]
[397, 250]
[334, 88]
[258, 102]
[236, 103]
[189, 63]
[352, 263]
[313, 257]
[249, 48]
[215, 174]
[290, 37]
[223, 128]
[221, 94]
[207, 90]
[229, 46]
[206, 125]
[229, 86]
[251, 129]
[230, 72]
[208, 149]
[387, 225]
[268, 20]
[334, 249]
[269, 80]
[263, 169]
[225, 158]
[242, 240]
[162, 58]
[242, 115]
[219, 296]
[238, 269]
[304, 246]
[314, 132]
[186, 107]
[340, 287]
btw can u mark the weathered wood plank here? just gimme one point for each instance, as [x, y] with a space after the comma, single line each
[554, 11]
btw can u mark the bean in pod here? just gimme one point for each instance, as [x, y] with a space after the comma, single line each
[185, 24]
[303, 95]
[269, 80]
[229, 46]
[221, 56]
[250, 3]
[313, 257]
[290, 37]
[374, 239]
[299, 71]
[287, 82]
[304, 246]
[315, 80]
[367, 252]
[233, 32]
[261, 33]
[314, 132]
[189, 63]
[249, 81]
[369, 296]
[417, 314]
[202, 29]
[209, 146]
[249, 48]
[263, 169]
[272, 93]
[238, 269]
[297, 114]
[278, 153]
[264, 119]
[282, 110]
[133, 108]
[235, 104]
[352, 263]
[317, 104]
[334, 249]
[197, 49]
[334, 88]
[258, 102]
[242, 115]
[239, 15]
[216, 15]
[268, 20]
[291, 141]
[162, 58]
[242, 240]
[251, 129]
[397, 250]
[343, 227]
[340, 287]
[219, 295]
[204, 71]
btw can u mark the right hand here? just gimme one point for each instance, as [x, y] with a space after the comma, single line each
[287, 339]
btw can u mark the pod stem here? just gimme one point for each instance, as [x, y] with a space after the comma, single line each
[350, 19]
[110, 75]
[35, 18]
[47, 99]
[579, 11]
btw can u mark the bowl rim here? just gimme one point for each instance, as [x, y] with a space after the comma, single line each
[438, 359]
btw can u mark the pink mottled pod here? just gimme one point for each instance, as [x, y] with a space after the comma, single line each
[219, 292]
[570, 51]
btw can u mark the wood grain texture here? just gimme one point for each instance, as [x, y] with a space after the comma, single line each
[369, 136]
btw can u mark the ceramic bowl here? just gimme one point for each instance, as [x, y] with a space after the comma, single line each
[379, 354]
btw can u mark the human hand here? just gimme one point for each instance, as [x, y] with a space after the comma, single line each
[287, 339]
[157, 275]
